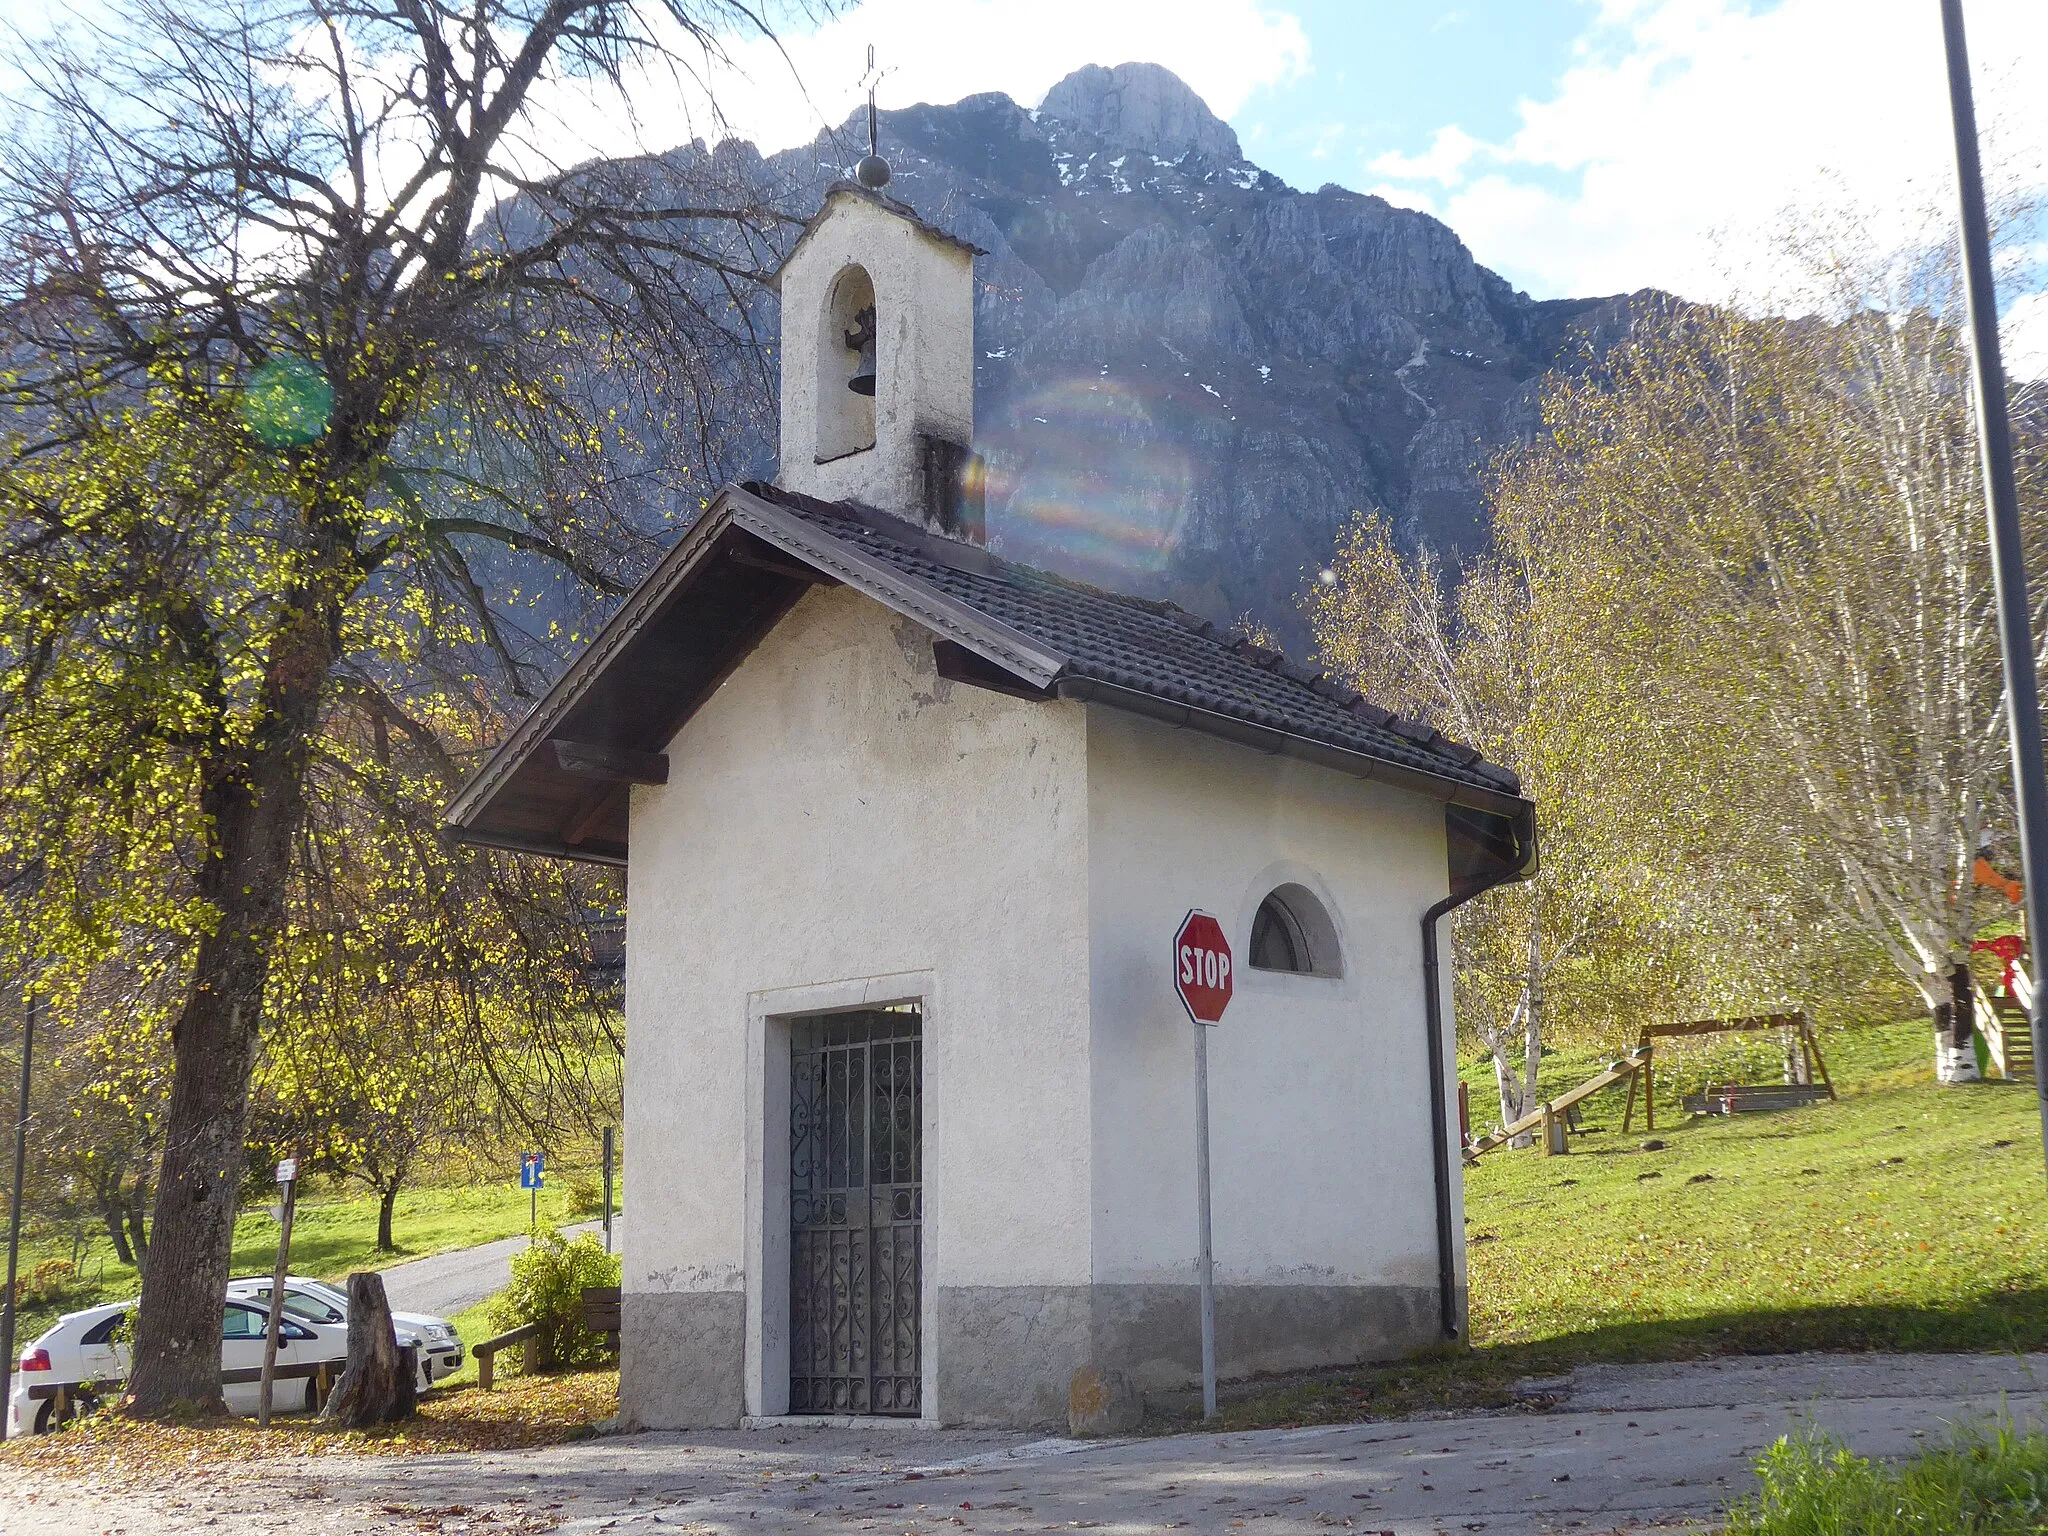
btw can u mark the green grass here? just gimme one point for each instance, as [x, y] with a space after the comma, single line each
[1987, 1481]
[330, 1237]
[1907, 1216]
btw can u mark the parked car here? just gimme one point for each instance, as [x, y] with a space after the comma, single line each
[84, 1358]
[322, 1304]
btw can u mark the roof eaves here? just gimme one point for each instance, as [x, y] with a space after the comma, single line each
[1286, 743]
[674, 568]
[583, 853]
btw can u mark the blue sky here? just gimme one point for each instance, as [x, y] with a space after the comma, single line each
[1577, 146]
[1386, 77]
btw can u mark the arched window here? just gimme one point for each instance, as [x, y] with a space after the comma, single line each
[1292, 932]
[846, 363]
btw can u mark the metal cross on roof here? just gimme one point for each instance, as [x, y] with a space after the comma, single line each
[873, 170]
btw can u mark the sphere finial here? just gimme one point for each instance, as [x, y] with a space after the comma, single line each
[873, 170]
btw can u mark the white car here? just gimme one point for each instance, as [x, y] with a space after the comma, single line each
[84, 1359]
[319, 1304]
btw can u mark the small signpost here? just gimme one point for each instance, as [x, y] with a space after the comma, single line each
[607, 1189]
[532, 1175]
[288, 1190]
[1202, 979]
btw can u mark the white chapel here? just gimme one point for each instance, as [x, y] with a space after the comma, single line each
[908, 830]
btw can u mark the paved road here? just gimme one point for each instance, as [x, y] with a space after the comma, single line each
[1629, 1448]
[449, 1283]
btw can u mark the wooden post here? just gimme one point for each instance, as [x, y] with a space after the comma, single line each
[1629, 1110]
[1813, 1044]
[486, 1369]
[1650, 1094]
[1549, 1130]
[289, 1190]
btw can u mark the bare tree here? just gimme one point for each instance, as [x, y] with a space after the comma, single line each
[311, 357]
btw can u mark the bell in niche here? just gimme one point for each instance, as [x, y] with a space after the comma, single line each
[861, 339]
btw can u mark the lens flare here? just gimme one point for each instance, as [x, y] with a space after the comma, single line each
[1083, 477]
[287, 403]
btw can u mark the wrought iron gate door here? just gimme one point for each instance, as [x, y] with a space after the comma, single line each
[856, 1206]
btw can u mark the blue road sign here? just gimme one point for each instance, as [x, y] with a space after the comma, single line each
[532, 1170]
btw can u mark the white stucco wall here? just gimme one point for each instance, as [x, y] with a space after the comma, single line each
[837, 812]
[1319, 1116]
[924, 313]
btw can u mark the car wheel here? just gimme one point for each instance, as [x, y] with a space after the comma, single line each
[312, 1394]
[78, 1403]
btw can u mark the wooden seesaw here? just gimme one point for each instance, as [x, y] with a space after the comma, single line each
[1549, 1114]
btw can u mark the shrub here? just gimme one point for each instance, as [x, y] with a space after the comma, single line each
[586, 1195]
[1987, 1481]
[547, 1290]
[52, 1278]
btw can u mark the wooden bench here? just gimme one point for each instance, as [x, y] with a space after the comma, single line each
[601, 1313]
[486, 1353]
[1756, 1098]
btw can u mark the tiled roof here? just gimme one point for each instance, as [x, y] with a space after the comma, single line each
[1152, 648]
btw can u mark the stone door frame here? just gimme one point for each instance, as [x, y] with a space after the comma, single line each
[769, 1015]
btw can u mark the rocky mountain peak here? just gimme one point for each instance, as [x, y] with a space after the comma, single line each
[1141, 106]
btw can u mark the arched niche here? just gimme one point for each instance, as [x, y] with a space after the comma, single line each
[846, 418]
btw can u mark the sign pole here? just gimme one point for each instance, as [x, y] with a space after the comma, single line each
[607, 1189]
[288, 1185]
[1202, 980]
[1207, 1260]
[28, 1040]
[531, 1165]
[2001, 498]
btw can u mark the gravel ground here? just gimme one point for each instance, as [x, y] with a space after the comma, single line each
[1630, 1448]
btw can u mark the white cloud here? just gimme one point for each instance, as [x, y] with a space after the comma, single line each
[2025, 337]
[1669, 150]
[936, 51]
[1443, 162]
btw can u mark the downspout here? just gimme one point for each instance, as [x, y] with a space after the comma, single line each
[1496, 867]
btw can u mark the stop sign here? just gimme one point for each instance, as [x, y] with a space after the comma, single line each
[1201, 967]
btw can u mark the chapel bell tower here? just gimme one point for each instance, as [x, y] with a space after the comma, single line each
[878, 360]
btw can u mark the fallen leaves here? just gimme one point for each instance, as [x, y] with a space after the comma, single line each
[524, 1411]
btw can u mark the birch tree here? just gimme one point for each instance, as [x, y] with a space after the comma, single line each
[1764, 540]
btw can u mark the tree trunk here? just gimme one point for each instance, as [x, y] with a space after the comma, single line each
[388, 1197]
[1955, 1029]
[116, 1218]
[138, 1230]
[1532, 1035]
[255, 795]
[379, 1385]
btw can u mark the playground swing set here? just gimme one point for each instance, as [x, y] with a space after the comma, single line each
[1807, 1070]
[2002, 1018]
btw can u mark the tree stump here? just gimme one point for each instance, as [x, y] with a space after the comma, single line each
[380, 1384]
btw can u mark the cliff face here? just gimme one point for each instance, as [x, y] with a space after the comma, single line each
[1190, 374]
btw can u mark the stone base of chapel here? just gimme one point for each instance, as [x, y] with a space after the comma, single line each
[1005, 1354]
